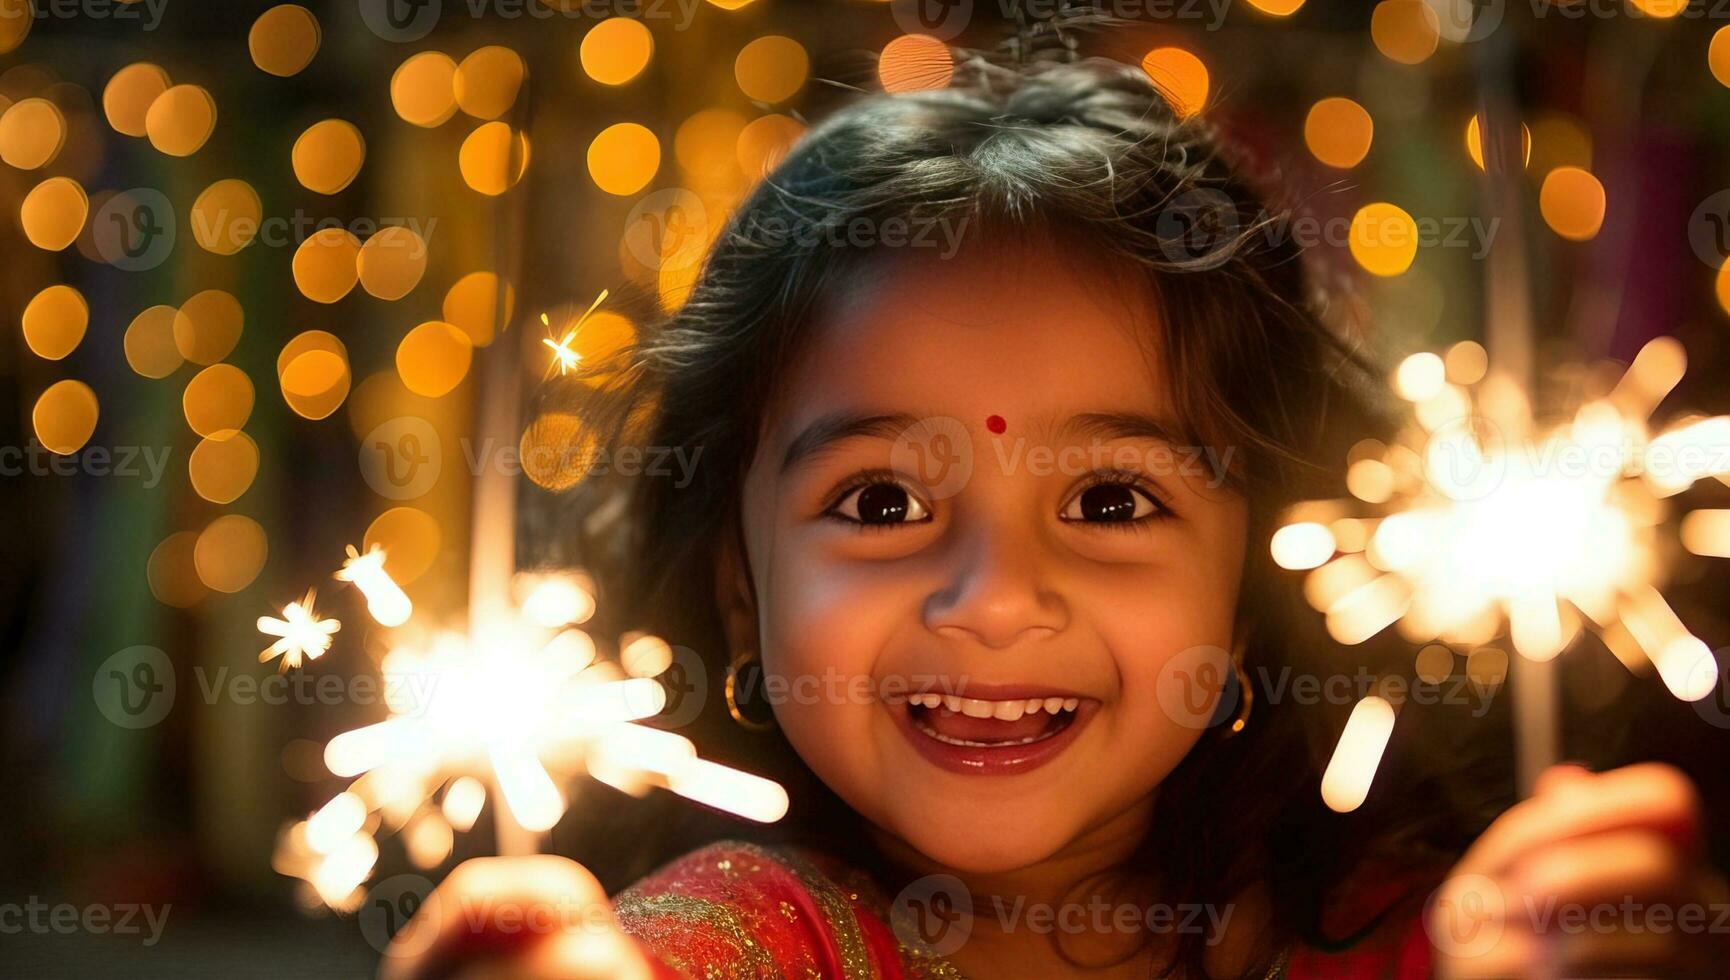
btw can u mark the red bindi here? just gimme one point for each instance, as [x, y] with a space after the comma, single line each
[996, 424]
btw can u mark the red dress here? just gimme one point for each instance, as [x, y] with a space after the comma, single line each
[735, 910]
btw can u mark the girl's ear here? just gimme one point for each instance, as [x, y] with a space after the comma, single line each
[736, 594]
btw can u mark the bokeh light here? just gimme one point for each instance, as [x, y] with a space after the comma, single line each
[129, 94]
[328, 156]
[1338, 132]
[1180, 76]
[149, 343]
[771, 69]
[54, 321]
[616, 50]
[423, 89]
[230, 552]
[326, 265]
[392, 262]
[225, 217]
[487, 81]
[915, 63]
[53, 213]
[218, 401]
[624, 158]
[65, 416]
[283, 39]
[434, 358]
[1572, 203]
[180, 120]
[207, 326]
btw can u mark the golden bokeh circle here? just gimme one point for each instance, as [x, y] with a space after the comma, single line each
[149, 343]
[230, 552]
[313, 373]
[171, 572]
[16, 16]
[54, 321]
[1383, 239]
[226, 216]
[765, 141]
[283, 39]
[472, 305]
[915, 63]
[180, 120]
[325, 265]
[328, 156]
[207, 326]
[410, 539]
[1181, 78]
[1338, 132]
[32, 131]
[623, 158]
[65, 416]
[487, 81]
[1406, 31]
[616, 50]
[772, 68]
[553, 454]
[1572, 202]
[423, 89]
[222, 469]
[128, 96]
[706, 146]
[218, 401]
[53, 213]
[391, 262]
[434, 358]
[493, 159]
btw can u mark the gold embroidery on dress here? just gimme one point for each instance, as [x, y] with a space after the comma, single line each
[750, 960]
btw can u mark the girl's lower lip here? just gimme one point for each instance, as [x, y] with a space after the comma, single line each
[993, 760]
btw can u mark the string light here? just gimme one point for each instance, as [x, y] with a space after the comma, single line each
[385, 600]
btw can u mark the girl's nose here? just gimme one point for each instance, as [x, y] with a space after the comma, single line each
[998, 593]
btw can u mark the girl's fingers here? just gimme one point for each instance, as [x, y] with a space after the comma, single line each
[493, 907]
[1601, 870]
[1651, 795]
[1554, 778]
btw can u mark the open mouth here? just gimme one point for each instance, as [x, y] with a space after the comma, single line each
[1001, 735]
[978, 723]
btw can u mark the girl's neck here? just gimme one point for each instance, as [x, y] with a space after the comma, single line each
[1019, 914]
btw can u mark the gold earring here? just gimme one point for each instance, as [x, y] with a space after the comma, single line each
[741, 660]
[1245, 694]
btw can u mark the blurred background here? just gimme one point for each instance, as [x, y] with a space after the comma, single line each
[274, 286]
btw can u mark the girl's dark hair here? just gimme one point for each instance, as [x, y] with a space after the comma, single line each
[1089, 153]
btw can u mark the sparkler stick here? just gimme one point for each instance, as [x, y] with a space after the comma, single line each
[1508, 336]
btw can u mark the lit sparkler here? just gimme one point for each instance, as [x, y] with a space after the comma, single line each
[1489, 526]
[565, 357]
[301, 635]
[513, 714]
[385, 600]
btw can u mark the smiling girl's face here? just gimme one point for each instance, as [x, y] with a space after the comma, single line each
[1071, 556]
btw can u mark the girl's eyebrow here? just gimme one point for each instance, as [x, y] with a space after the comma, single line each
[829, 429]
[836, 426]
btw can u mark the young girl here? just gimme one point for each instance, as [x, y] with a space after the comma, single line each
[984, 528]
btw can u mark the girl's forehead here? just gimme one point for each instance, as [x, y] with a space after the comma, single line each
[1019, 333]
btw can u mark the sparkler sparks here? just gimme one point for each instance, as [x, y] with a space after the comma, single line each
[301, 634]
[1488, 526]
[513, 712]
[385, 600]
[565, 357]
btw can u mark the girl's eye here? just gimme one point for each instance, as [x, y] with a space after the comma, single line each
[880, 504]
[1111, 502]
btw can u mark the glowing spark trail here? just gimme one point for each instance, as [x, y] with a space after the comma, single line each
[301, 634]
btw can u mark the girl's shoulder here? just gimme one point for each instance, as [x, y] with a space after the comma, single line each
[1372, 928]
[735, 909]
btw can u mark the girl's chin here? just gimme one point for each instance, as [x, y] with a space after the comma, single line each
[971, 842]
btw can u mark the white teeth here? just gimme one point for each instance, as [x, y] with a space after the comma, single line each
[1002, 710]
[975, 708]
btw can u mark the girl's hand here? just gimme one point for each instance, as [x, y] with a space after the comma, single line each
[1594, 874]
[542, 917]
